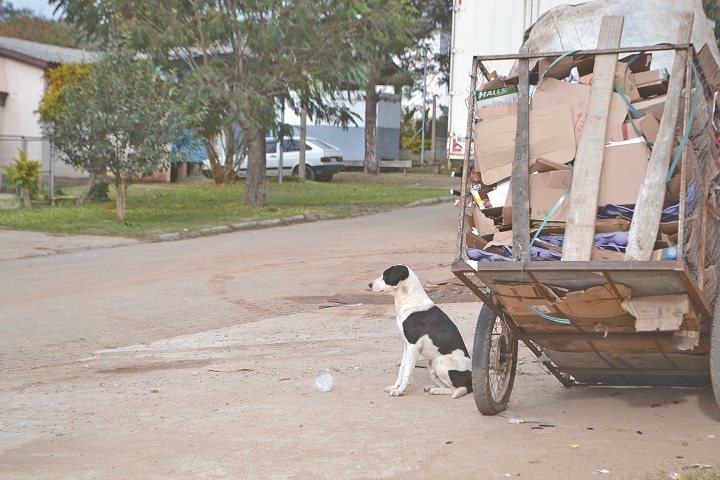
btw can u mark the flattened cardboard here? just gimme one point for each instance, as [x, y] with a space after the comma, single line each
[516, 299]
[598, 254]
[623, 172]
[664, 313]
[483, 223]
[596, 304]
[551, 91]
[551, 137]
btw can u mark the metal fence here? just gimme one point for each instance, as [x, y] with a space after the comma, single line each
[701, 233]
[39, 149]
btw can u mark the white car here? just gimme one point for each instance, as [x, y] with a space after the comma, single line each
[322, 160]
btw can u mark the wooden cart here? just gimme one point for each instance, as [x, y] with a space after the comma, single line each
[600, 342]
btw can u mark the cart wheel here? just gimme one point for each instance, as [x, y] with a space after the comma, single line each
[493, 363]
[715, 353]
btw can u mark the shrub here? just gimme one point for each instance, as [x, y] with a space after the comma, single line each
[24, 174]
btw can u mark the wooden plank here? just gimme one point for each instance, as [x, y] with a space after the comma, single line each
[648, 209]
[582, 207]
[520, 166]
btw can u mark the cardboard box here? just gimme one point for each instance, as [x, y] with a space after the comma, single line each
[647, 127]
[709, 66]
[599, 254]
[623, 172]
[545, 190]
[551, 136]
[487, 113]
[652, 76]
[638, 62]
[499, 96]
[550, 92]
[562, 68]
[654, 106]
[626, 82]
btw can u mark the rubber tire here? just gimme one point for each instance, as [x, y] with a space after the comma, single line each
[487, 401]
[715, 353]
[309, 172]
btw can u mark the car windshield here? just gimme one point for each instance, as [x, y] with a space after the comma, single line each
[289, 145]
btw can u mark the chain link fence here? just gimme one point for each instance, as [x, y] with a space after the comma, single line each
[55, 172]
[700, 234]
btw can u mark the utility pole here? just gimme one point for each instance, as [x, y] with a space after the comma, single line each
[424, 103]
[433, 130]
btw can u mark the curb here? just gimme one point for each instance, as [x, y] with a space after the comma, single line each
[308, 217]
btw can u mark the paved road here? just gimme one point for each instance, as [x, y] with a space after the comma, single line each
[87, 293]
[196, 359]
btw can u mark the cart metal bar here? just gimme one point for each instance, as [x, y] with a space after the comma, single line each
[636, 372]
[466, 163]
[654, 269]
[600, 51]
[598, 337]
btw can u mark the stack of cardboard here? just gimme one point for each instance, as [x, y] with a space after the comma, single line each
[559, 100]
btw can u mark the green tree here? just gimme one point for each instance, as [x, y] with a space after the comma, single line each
[25, 174]
[246, 56]
[120, 118]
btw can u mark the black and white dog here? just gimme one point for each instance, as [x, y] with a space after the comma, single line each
[427, 331]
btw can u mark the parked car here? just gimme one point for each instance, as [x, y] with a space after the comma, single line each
[322, 160]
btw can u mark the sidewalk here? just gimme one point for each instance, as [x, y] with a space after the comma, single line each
[21, 244]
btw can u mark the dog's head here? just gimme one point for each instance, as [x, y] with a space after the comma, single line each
[390, 279]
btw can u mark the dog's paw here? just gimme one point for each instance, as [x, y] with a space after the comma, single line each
[429, 387]
[396, 393]
[391, 388]
[440, 391]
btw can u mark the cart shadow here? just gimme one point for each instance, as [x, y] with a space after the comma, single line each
[660, 398]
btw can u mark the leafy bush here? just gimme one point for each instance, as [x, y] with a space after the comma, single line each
[24, 174]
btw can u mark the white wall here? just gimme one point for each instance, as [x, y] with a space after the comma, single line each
[26, 86]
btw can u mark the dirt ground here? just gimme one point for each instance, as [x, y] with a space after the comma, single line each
[196, 359]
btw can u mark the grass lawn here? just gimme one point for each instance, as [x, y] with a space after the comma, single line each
[154, 209]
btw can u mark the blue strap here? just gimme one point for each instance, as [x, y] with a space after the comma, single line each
[687, 130]
[557, 205]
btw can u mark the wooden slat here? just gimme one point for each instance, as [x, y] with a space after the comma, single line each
[520, 166]
[648, 209]
[580, 227]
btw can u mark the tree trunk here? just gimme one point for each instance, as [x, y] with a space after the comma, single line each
[88, 188]
[121, 198]
[255, 182]
[26, 197]
[303, 137]
[372, 165]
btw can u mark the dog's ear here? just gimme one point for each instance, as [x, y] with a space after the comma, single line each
[395, 274]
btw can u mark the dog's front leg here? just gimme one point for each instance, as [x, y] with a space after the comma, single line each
[407, 365]
[395, 386]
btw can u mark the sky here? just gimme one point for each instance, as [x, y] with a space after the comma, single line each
[40, 8]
